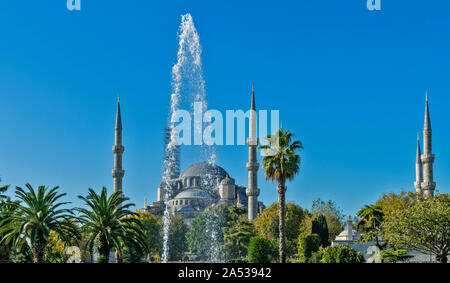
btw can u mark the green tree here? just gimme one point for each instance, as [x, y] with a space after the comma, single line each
[267, 223]
[319, 227]
[281, 164]
[151, 226]
[237, 238]
[259, 250]
[371, 217]
[7, 209]
[423, 226]
[3, 190]
[334, 216]
[205, 235]
[341, 254]
[395, 255]
[177, 237]
[37, 214]
[107, 224]
[392, 202]
[307, 246]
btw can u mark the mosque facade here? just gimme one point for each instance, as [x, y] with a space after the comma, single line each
[202, 184]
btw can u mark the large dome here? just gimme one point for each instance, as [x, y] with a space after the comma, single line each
[204, 169]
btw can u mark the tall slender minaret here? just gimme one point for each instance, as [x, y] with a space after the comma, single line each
[428, 185]
[252, 165]
[118, 150]
[419, 168]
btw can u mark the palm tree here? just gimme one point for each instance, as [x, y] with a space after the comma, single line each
[107, 224]
[371, 219]
[281, 164]
[36, 214]
[2, 191]
[7, 207]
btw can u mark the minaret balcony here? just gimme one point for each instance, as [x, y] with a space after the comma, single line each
[428, 185]
[117, 173]
[427, 158]
[118, 149]
[252, 142]
[252, 192]
[252, 166]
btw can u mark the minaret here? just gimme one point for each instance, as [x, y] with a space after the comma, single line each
[427, 158]
[118, 150]
[252, 165]
[419, 169]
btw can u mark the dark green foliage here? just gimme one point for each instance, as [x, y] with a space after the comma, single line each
[237, 238]
[20, 255]
[108, 224]
[291, 249]
[35, 216]
[395, 255]
[102, 259]
[333, 214]
[307, 245]
[3, 190]
[369, 225]
[259, 250]
[199, 237]
[267, 223]
[177, 238]
[341, 254]
[319, 226]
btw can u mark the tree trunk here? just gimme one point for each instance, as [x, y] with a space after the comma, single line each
[281, 212]
[118, 259]
[38, 253]
[103, 250]
[441, 258]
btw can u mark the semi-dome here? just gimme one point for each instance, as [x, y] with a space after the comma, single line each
[194, 194]
[203, 169]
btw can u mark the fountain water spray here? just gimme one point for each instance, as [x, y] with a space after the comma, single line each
[187, 82]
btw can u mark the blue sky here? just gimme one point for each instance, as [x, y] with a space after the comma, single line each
[349, 82]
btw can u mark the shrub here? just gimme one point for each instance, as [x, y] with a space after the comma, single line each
[307, 245]
[102, 259]
[319, 226]
[341, 254]
[259, 250]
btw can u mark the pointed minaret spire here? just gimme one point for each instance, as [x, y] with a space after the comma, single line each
[419, 168]
[118, 115]
[118, 150]
[427, 123]
[253, 106]
[418, 149]
[428, 185]
[252, 165]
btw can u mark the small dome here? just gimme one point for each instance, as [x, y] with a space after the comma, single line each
[194, 194]
[227, 181]
[204, 168]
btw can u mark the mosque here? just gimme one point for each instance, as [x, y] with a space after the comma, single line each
[200, 185]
